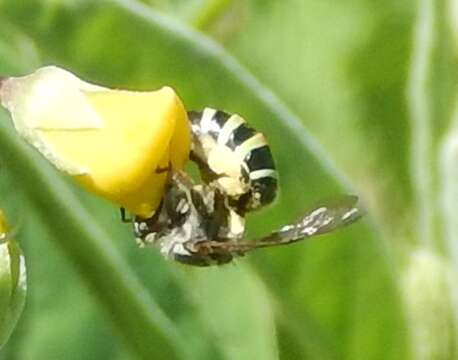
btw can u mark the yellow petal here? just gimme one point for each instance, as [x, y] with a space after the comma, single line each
[112, 141]
[136, 141]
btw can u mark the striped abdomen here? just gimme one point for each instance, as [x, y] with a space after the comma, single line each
[234, 155]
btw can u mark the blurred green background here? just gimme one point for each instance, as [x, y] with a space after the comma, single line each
[355, 96]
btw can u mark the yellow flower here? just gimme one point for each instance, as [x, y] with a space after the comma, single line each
[111, 141]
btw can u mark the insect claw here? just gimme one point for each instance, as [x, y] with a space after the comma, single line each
[161, 170]
[124, 218]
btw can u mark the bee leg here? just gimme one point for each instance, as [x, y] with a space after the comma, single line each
[180, 178]
[176, 203]
[207, 174]
[212, 218]
[218, 218]
[124, 218]
[161, 170]
[156, 224]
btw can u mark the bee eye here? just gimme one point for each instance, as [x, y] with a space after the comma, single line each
[140, 228]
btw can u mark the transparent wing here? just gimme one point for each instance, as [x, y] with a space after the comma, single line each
[328, 217]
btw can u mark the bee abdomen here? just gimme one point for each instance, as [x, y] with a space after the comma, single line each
[214, 129]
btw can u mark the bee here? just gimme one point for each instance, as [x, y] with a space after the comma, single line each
[234, 157]
[203, 224]
[196, 224]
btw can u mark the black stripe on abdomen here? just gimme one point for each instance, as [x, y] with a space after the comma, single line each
[240, 135]
[218, 120]
[221, 118]
[259, 159]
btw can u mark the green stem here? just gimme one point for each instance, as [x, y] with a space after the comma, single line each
[208, 12]
[427, 289]
[420, 118]
[145, 328]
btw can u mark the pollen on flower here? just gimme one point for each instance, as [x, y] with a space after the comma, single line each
[111, 141]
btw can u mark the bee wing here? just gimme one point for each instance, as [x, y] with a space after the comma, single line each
[328, 217]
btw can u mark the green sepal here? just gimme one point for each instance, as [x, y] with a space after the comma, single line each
[13, 287]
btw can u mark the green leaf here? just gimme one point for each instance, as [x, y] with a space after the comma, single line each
[240, 317]
[13, 286]
[332, 298]
[88, 247]
[378, 79]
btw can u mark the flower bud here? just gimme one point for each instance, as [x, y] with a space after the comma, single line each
[429, 310]
[12, 282]
[113, 142]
